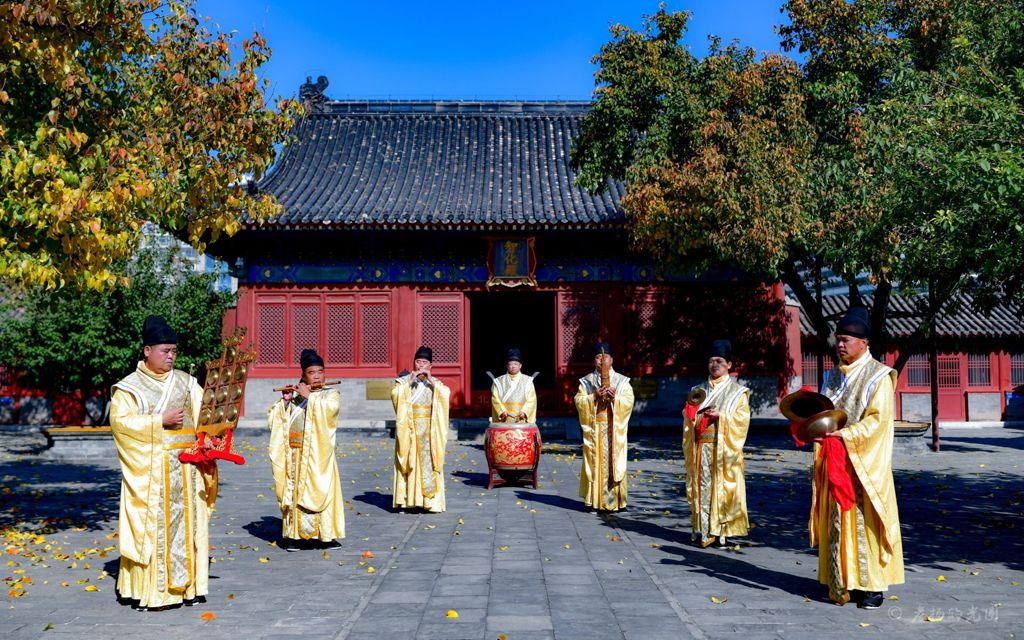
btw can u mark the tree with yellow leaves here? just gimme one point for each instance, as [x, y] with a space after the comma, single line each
[114, 113]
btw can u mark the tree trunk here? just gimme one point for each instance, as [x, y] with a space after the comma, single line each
[811, 306]
[879, 314]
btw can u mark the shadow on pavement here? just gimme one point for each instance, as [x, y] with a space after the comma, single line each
[551, 499]
[961, 512]
[471, 479]
[267, 528]
[718, 563]
[57, 495]
[382, 501]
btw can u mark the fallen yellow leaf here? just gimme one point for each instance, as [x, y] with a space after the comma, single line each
[503, 547]
[718, 600]
[370, 570]
[92, 587]
[865, 624]
[933, 618]
[941, 579]
[452, 613]
[208, 615]
[264, 560]
[368, 554]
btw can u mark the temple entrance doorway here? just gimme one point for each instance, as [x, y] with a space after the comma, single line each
[503, 319]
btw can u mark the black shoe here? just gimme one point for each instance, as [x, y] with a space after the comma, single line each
[194, 601]
[871, 600]
[331, 544]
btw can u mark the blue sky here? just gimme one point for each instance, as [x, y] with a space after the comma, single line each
[525, 49]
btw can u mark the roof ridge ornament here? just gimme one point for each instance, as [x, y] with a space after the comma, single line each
[312, 94]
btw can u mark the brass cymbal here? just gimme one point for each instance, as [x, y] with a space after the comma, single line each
[821, 423]
[801, 405]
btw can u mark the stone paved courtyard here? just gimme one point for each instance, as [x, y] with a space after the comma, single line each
[520, 563]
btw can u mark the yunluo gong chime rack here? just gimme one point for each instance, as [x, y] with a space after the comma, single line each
[223, 395]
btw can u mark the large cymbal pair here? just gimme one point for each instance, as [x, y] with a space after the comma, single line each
[813, 414]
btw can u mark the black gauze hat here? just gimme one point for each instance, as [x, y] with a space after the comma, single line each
[602, 347]
[425, 353]
[721, 349]
[856, 323]
[310, 358]
[155, 330]
[513, 354]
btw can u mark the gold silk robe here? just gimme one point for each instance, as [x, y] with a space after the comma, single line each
[421, 438]
[305, 468]
[860, 548]
[715, 487]
[603, 473]
[163, 526]
[513, 395]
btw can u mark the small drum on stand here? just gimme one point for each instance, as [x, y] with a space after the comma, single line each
[513, 452]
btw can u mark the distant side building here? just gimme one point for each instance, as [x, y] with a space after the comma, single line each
[980, 359]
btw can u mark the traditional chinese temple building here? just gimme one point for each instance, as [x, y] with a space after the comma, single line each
[459, 225]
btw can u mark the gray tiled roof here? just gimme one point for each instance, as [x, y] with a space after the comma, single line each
[438, 164]
[961, 321]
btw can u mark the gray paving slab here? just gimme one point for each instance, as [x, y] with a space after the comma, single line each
[530, 564]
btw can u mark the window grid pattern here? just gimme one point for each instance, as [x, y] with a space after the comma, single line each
[1016, 369]
[580, 327]
[340, 334]
[979, 370]
[375, 342]
[949, 371]
[918, 372]
[271, 334]
[305, 329]
[440, 330]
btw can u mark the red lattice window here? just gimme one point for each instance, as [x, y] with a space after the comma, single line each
[375, 329]
[305, 329]
[440, 330]
[979, 370]
[949, 372]
[581, 325]
[1016, 369]
[809, 369]
[340, 333]
[646, 311]
[270, 348]
[918, 372]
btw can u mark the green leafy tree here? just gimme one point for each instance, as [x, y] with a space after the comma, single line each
[114, 113]
[65, 340]
[893, 149]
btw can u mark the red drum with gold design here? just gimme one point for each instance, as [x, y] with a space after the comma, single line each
[513, 452]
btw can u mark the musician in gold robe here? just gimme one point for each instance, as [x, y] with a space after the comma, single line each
[713, 435]
[421, 436]
[163, 526]
[860, 549]
[513, 397]
[603, 474]
[303, 461]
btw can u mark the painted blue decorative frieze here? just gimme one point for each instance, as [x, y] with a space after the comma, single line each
[443, 272]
